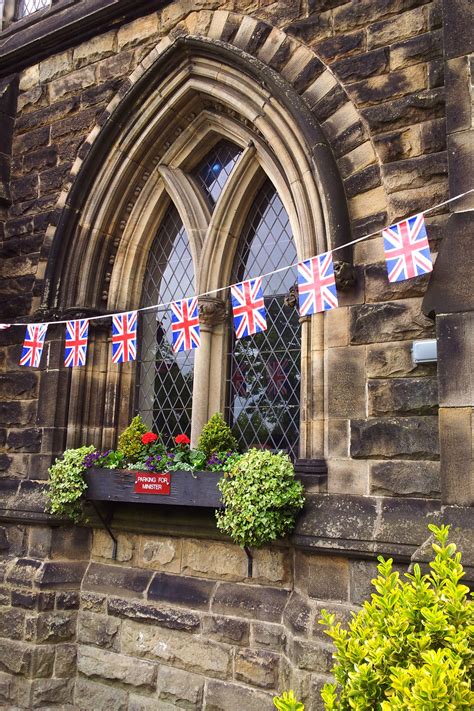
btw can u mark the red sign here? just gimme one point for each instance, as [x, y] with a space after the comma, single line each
[150, 483]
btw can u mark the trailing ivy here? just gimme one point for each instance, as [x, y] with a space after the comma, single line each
[66, 484]
[261, 498]
[410, 648]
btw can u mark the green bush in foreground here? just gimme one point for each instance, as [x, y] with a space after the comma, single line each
[216, 436]
[410, 648]
[287, 702]
[261, 498]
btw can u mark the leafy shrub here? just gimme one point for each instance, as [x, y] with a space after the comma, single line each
[66, 484]
[288, 702]
[261, 498]
[410, 648]
[216, 436]
[130, 441]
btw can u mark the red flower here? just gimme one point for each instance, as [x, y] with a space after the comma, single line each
[182, 439]
[149, 437]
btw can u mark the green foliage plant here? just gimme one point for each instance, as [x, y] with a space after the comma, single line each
[288, 702]
[216, 436]
[411, 647]
[130, 441]
[66, 484]
[261, 498]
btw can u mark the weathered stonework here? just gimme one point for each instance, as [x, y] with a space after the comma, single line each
[376, 96]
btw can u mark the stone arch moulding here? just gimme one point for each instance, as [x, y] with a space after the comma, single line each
[107, 218]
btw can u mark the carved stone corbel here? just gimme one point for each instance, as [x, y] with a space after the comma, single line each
[212, 312]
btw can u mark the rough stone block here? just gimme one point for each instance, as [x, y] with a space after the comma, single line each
[42, 659]
[363, 12]
[216, 560]
[313, 656]
[137, 31]
[55, 66]
[65, 660]
[312, 28]
[298, 614]
[115, 667]
[268, 635]
[361, 574]
[378, 288]
[347, 476]
[92, 695]
[165, 617]
[226, 629]
[71, 83]
[23, 572]
[53, 180]
[12, 623]
[180, 590]
[95, 49]
[416, 49]
[31, 99]
[160, 554]
[110, 578]
[403, 396]
[234, 697]
[26, 440]
[93, 602]
[29, 77]
[119, 65]
[55, 627]
[17, 413]
[405, 521]
[456, 440]
[396, 28]
[257, 667]
[400, 437]
[67, 601]
[367, 203]
[415, 172]
[362, 66]
[176, 649]
[15, 657]
[181, 689]
[414, 108]
[99, 630]
[338, 438]
[346, 372]
[341, 45]
[457, 21]
[337, 521]
[272, 566]
[395, 360]
[405, 478]
[373, 90]
[262, 603]
[61, 574]
[79, 123]
[322, 577]
[51, 691]
[396, 321]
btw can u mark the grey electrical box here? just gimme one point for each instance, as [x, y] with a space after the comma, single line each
[424, 351]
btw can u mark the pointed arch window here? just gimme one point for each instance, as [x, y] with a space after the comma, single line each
[165, 380]
[264, 371]
[212, 173]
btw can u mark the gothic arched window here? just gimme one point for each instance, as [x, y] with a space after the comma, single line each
[165, 382]
[264, 374]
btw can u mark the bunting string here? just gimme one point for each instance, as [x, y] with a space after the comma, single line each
[407, 255]
[165, 304]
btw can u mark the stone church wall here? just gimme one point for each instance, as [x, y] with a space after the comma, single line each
[175, 621]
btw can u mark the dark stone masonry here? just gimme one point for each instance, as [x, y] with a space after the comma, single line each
[359, 113]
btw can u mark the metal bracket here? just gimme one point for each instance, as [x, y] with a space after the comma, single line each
[105, 522]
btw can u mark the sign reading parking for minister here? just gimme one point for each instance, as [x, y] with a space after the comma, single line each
[149, 483]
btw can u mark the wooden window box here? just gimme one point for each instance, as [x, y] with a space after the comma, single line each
[185, 488]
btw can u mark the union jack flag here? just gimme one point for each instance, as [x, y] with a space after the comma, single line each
[407, 251]
[248, 307]
[33, 345]
[277, 377]
[76, 342]
[3, 326]
[317, 285]
[185, 325]
[124, 337]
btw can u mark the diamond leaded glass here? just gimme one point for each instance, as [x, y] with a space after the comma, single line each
[216, 167]
[265, 374]
[165, 381]
[28, 7]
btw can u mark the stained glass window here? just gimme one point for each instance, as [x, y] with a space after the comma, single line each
[165, 381]
[216, 167]
[264, 372]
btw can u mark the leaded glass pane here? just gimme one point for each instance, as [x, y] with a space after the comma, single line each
[28, 7]
[165, 381]
[216, 167]
[265, 374]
